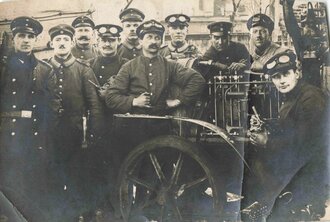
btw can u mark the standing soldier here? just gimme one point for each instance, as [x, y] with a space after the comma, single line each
[77, 96]
[105, 67]
[25, 83]
[261, 46]
[225, 55]
[130, 47]
[84, 48]
[178, 48]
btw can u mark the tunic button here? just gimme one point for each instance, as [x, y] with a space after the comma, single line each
[150, 64]
[60, 86]
[14, 93]
[13, 120]
[150, 74]
[82, 57]
[60, 93]
[32, 92]
[83, 50]
[13, 80]
[13, 133]
[61, 80]
[34, 120]
[36, 133]
[150, 84]
[102, 67]
[40, 147]
[14, 106]
[61, 72]
[134, 55]
[101, 77]
[34, 79]
[151, 94]
[34, 106]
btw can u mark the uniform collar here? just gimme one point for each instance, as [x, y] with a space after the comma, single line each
[130, 46]
[107, 59]
[24, 59]
[148, 60]
[172, 48]
[57, 62]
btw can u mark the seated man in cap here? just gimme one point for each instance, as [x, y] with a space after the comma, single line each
[178, 48]
[224, 55]
[291, 153]
[84, 48]
[25, 112]
[78, 95]
[261, 46]
[130, 46]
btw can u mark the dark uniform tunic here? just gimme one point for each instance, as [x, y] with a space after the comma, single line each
[236, 52]
[294, 155]
[77, 96]
[128, 51]
[86, 54]
[25, 112]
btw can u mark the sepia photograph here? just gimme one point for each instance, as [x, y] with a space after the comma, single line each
[164, 111]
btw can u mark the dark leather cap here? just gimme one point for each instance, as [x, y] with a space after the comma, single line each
[281, 62]
[26, 24]
[151, 26]
[108, 30]
[83, 21]
[177, 20]
[61, 29]
[220, 28]
[260, 20]
[131, 14]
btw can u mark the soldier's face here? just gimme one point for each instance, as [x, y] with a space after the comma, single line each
[129, 29]
[83, 35]
[285, 81]
[151, 43]
[220, 42]
[178, 33]
[260, 36]
[108, 45]
[24, 42]
[62, 45]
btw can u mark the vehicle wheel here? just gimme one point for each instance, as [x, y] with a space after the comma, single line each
[170, 178]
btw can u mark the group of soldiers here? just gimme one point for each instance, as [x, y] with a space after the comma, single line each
[45, 169]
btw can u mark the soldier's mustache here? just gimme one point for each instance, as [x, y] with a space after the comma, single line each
[83, 38]
[153, 46]
[62, 47]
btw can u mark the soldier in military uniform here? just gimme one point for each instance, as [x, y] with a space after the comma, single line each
[84, 48]
[130, 46]
[291, 153]
[261, 46]
[178, 48]
[25, 115]
[77, 96]
[105, 67]
[224, 55]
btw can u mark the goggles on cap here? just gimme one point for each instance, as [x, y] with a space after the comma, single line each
[181, 18]
[280, 60]
[150, 24]
[112, 30]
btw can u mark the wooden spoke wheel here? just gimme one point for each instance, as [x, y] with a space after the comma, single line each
[170, 179]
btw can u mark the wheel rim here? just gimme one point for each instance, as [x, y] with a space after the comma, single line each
[156, 183]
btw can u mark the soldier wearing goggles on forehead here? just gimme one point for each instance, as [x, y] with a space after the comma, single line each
[261, 46]
[178, 48]
[130, 46]
[26, 83]
[224, 55]
[84, 34]
[290, 153]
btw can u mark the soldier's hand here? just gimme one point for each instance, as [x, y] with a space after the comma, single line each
[171, 103]
[142, 100]
[236, 66]
[102, 92]
[220, 66]
[255, 122]
[259, 138]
